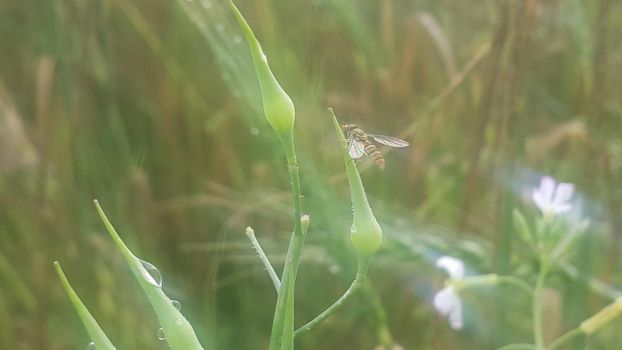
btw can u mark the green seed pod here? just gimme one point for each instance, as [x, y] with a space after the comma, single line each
[365, 233]
[278, 107]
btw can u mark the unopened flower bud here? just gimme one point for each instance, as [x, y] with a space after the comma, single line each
[365, 233]
[278, 107]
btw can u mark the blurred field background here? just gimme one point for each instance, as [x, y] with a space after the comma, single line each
[153, 108]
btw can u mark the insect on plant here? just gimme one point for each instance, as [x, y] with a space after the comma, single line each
[360, 143]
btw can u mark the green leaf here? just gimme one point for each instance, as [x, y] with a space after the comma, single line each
[98, 337]
[178, 331]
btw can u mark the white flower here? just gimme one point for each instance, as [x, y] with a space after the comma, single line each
[446, 301]
[453, 266]
[553, 198]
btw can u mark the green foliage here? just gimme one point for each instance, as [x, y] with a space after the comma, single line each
[152, 106]
[98, 337]
[177, 330]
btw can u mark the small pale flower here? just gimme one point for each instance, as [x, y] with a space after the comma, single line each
[447, 302]
[453, 266]
[551, 197]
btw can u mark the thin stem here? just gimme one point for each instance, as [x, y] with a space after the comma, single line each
[564, 338]
[492, 279]
[516, 282]
[282, 336]
[594, 284]
[250, 233]
[359, 281]
[536, 310]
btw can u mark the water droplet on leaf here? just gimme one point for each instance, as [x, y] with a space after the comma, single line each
[91, 346]
[176, 304]
[151, 274]
[237, 39]
[161, 334]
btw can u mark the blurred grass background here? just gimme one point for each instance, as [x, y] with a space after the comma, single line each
[153, 108]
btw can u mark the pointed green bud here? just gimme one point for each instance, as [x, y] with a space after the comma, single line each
[278, 107]
[304, 221]
[365, 233]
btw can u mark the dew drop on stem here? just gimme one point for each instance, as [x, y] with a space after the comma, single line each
[91, 346]
[176, 304]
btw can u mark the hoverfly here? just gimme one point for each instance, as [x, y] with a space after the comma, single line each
[360, 143]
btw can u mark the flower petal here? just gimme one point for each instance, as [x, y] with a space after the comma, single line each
[539, 200]
[444, 300]
[543, 195]
[547, 188]
[563, 193]
[453, 266]
[455, 316]
[448, 304]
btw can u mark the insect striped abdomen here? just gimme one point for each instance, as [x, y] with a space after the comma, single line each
[373, 153]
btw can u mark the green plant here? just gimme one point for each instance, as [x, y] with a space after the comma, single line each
[366, 234]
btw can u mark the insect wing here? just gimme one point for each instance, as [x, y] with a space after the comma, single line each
[390, 141]
[356, 149]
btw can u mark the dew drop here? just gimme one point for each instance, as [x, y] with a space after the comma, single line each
[237, 39]
[161, 334]
[206, 3]
[151, 273]
[220, 27]
[176, 304]
[254, 131]
[91, 346]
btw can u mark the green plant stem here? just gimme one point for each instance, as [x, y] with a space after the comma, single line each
[565, 338]
[282, 336]
[492, 279]
[516, 282]
[264, 258]
[536, 309]
[359, 281]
